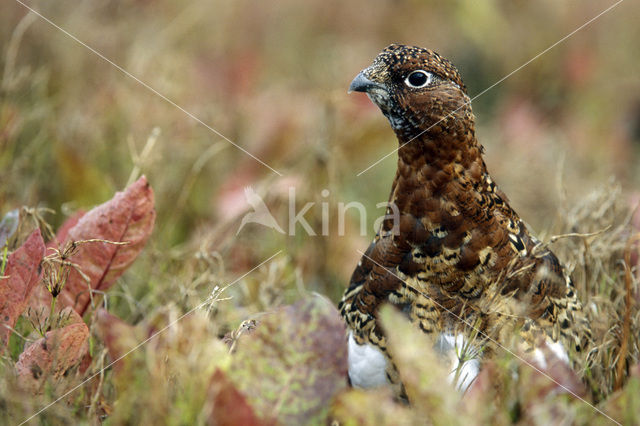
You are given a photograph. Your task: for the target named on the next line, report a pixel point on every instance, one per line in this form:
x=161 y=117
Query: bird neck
x=439 y=163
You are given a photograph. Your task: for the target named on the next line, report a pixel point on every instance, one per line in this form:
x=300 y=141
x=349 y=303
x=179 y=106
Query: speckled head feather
x=416 y=89
x=397 y=57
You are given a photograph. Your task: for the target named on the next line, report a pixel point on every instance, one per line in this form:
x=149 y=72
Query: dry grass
x=273 y=77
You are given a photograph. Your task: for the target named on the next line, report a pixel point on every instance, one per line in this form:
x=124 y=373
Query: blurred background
x=273 y=78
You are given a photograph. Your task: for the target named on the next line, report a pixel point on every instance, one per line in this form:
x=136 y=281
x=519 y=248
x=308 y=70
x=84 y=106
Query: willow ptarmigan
x=458 y=256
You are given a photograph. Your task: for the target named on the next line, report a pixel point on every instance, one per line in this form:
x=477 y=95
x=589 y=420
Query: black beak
x=362 y=84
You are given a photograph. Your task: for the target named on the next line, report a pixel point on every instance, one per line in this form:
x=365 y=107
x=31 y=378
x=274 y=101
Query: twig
x=626 y=324
x=538 y=248
x=96 y=396
x=140 y=160
x=8 y=77
x=191 y=179
x=13 y=330
x=555 y=238
x=56 y=277
x=586 y=291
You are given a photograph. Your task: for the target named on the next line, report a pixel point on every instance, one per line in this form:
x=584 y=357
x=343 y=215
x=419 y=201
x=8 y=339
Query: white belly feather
x=367 y=364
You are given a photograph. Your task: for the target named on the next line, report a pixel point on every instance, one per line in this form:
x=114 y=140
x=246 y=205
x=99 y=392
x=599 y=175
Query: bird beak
x=362 y=84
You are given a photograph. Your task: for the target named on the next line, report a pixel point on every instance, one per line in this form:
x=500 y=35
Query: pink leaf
x=228 y=405
x=41 y=298
x=128 y=217
x=53 y=356
x=64 y=229
x=21 y=276
x=118 y=336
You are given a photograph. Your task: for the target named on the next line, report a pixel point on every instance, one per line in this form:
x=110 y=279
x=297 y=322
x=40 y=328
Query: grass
x=561 y=140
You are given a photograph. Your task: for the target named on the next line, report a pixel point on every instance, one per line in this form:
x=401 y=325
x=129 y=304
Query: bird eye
x=418 y=79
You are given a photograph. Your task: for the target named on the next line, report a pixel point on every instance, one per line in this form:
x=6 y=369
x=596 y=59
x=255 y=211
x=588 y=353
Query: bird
x=454 y=257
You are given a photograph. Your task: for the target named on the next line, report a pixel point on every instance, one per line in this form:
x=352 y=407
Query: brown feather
x=461 y=249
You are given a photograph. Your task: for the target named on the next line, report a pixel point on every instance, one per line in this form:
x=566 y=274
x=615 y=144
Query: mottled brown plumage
x=459 y=252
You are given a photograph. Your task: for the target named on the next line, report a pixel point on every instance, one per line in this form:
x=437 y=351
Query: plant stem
x=53 y=306
x=4 y=260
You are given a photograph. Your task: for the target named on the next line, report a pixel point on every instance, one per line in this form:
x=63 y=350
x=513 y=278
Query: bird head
x=415 y=89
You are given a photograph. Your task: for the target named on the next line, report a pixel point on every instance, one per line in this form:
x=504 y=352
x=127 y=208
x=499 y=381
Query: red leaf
x=21 y=276
x=63 y=231
x=118 y=336
x=41 y=298
x=128 y=217
x=228 y=405
x=52 y=356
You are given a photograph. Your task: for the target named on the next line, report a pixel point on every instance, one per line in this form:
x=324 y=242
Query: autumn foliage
x=89 y=253
x=147 y=309
x=288 y=370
